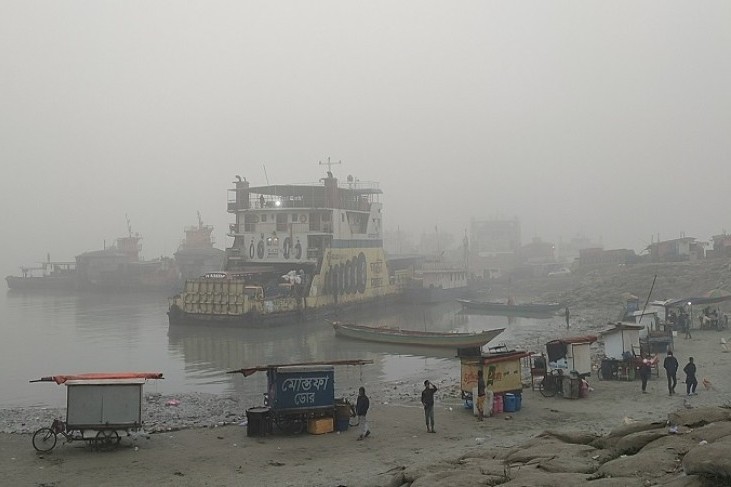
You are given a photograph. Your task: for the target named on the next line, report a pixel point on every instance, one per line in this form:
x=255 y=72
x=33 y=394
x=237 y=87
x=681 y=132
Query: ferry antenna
x=329 y=164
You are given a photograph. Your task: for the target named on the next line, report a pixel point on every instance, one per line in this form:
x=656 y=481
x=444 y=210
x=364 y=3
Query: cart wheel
x=547 y=388
x=107 y=440
x=44 y=440
x=291 y=425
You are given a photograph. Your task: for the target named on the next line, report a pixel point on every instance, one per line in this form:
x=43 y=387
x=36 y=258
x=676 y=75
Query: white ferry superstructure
x=298 y=250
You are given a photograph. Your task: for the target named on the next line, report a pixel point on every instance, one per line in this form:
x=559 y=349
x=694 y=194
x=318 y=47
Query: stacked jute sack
x=689 y=449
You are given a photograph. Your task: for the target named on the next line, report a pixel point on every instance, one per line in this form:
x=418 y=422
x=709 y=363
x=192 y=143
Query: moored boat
x=52 y=276
x=196 y=255
x=509 y=308
x=299 y=251
x=412 y=337
x=120 y=268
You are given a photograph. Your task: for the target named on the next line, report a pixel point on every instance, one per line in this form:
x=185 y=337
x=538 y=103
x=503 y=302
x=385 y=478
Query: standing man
x=690 y=381
x=361 y=409
x=671 y=368
x=480 y=396
x=645 y=371
x=427 y=399
x=685 y=322
x=567 y=317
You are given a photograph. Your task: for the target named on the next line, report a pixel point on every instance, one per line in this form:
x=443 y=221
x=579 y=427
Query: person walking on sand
x=480 y=396
x=361 y=410
x=670 y=364
x=645 y=371
x=690 y=381
x=427 y=399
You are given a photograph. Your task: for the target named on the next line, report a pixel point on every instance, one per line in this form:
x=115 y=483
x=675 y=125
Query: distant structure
x=569 y=252
x=721 y=246
x=537 y=258
x=598 y=256
x=676 y=250
x=494 y=247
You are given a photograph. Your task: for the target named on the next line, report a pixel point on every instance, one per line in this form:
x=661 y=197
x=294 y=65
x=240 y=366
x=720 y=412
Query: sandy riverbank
x=218 y=456
x=207 y=454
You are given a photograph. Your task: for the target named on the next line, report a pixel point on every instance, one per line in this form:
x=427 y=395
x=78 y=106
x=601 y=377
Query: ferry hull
x=348 y=279
x=16 y=283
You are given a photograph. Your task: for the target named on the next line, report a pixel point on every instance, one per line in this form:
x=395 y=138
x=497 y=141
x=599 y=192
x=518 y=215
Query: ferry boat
x=196 y=254
x=299 y=251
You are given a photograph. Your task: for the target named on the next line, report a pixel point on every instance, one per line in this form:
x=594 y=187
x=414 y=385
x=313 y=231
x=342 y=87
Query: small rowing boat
x=497 y=307
x=419 y=338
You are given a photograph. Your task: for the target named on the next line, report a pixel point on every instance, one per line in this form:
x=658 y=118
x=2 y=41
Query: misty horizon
x=608 y=121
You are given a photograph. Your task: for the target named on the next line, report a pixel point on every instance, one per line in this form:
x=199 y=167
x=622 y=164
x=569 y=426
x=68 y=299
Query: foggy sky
x=607 y=119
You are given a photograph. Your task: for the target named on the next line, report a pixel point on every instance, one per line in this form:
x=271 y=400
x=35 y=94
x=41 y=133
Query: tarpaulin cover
x=710 y=297
x=60 y=379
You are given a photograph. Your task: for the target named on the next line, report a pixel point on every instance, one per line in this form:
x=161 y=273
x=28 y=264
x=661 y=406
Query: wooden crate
x=320 y=426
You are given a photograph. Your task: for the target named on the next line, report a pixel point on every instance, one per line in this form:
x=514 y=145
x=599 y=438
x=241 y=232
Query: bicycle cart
x=564 y=366
x=297 y=396
x=98 y=408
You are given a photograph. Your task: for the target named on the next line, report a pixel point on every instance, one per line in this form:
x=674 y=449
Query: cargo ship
x=299 y=251
x=196 y=254
x=47 y=276
x=120 y=268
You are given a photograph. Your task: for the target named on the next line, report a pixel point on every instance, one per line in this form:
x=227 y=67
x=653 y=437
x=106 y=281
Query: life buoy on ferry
x=260 y=249
x=303 y=218
x=287 y=247
x=251 y=250
x=298 y=250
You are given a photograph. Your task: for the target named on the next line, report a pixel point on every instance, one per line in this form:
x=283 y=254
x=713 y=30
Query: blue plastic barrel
x=518 y=401
x=509 y=403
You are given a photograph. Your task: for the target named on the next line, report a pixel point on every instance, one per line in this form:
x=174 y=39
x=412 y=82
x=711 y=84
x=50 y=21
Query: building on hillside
x=538 y=252
x=537 y=259
x=721 y=246
x=598 y=256
x=676 y=250
x=569 y=252
x=494 y=246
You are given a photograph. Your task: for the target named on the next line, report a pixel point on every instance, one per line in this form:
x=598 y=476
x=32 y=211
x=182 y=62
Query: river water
x=50 y=334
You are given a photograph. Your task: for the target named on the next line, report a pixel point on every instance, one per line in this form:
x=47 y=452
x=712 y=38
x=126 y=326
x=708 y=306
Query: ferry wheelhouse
x=298 y=249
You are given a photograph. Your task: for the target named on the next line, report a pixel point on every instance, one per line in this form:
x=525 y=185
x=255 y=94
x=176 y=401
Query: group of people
x=670 y=364
x=362 y=405
x=427 y=400
x=681 y=320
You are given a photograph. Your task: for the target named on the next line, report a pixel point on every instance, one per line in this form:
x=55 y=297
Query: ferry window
x=342 y=217
x=281 y=222
x=294 y=217
x=263 y=217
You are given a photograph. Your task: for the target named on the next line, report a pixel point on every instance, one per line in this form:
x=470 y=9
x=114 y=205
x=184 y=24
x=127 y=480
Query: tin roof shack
x=620 y=340
x=676 y=250
x=721 y=246
x=571 y=354
x=502 y=371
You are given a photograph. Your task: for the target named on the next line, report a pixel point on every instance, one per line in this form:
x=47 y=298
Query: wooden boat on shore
x=500 y=308
x=419 y=338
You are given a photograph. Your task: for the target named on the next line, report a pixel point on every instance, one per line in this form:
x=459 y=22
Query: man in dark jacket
x=690 y=381
x=671 y=368
x=361 y=409
x=427 y=399
x=645 y=371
